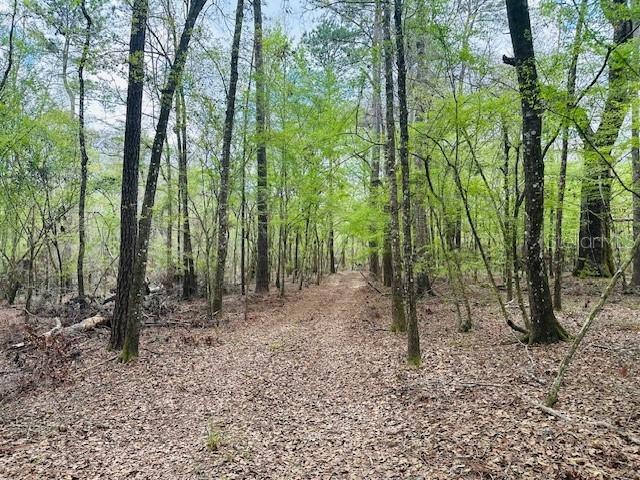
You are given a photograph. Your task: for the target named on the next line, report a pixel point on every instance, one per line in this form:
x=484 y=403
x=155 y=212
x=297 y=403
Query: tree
x=84 y=157
x=223 y=227
x=262 y=249
x=376 y=150
x=595 y=255
x=11 y=45
x=413 y=345
x=562 y=178
x=635 y=160
x=543 y=326
x=397 y=305
x=189 y=280
x=131 y=159
x=136 y=293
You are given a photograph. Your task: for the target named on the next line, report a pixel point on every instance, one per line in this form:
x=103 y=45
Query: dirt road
x=310 y=387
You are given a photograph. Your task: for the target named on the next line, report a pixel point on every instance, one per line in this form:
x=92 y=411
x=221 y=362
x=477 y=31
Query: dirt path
x=308 y=388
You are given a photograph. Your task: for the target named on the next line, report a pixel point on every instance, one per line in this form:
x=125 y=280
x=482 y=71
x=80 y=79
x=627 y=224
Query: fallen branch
x=552 y=412
x=83 y=326
x=596 y=423
x=370 y=284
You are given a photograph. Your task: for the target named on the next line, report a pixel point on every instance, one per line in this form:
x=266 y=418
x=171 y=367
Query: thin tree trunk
x=225 y=163
x=189 y=280
x=508 y=267
x=32 y=259
x=376 y=151
x=262 y=253
x=65 y=75
x=244 y=234
x=414 y=356
x=397 y=308
x=635 y=159
x=169 y=243
x=7 y=70
x=562 y=178
x=84 y=158
x=304 y=252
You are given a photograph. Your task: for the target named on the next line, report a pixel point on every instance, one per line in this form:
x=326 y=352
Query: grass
x=214 y=437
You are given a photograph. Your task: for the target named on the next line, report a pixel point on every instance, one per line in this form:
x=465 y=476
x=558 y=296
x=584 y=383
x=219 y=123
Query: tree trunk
x=635 y=158
x=65 y=69
x=262 y=253
x=244 y=234
x=84 y=158
x=562 y=179
x=595 y=254
x=169 y=241
x=376 y=151
x=189 y=281
x=131 y=158
x=399 y=323
x=223 y=201
x=506 y=191
x=414 y=356
x=423 y=282
x=7 y=70
x=132 y=335
x=543 y=327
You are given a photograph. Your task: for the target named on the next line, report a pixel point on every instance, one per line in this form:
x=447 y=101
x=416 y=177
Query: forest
x=320 y=239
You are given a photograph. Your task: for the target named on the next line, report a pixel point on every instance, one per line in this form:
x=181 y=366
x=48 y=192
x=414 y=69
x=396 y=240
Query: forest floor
x=315 y=386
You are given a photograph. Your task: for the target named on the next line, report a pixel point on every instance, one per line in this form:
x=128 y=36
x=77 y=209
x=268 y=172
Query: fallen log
x=83 y=326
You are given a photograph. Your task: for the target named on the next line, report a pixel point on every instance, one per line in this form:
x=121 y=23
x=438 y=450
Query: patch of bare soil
x=315 y=386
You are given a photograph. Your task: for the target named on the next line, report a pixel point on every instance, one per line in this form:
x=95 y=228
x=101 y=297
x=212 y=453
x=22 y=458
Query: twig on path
x=481 y=384
x=596 y=423
x=553 y=412
x=371 y=284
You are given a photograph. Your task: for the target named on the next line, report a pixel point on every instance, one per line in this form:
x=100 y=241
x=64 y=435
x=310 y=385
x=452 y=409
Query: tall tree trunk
x=132 y=335
x=544 y=327
x=564 y=153
x=397 y=308
x=244 y=234
x=422 y=224
x=131 y=158
x=169 y=241
x=414 y=356
x=595 y=254
x=376 y=151
x=262 y=253
x=223 y=226
x=189 y=281
x=84 y=158
x=635 y=158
